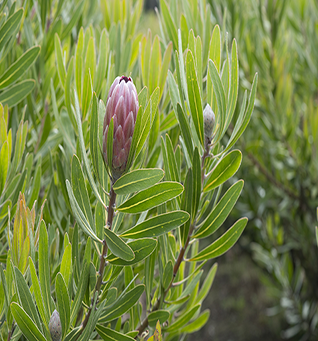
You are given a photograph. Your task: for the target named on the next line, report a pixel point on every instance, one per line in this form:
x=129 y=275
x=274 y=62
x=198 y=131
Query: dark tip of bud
x=126 y=79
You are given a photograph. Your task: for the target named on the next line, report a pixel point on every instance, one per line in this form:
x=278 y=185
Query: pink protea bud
x=122 y=105
x=208 y=122
x=55 y=326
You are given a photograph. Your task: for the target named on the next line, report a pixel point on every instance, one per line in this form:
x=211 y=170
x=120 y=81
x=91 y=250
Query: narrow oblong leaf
x=27 y=326
x=117 y=246
x=38 y=294
x=80 y=191
x=219 y=94
x=44 y=268
x=157 y=225
x=224 y=243
x=26 y=297
x=159 y=315
x=63 y=302
x=183 y=319
x=167 y=275
x=194 y=97
x=123 y=304
x=81 y=289
x=224 y=170
x=138 y=180
x=59 y=59
x=10 y=26
x=197 y=324
x=206 y=286
x=79 y=215
x=151 y=197
x=17 y=93
x=108 y=334
x=142 y=248
x=220 y=212
x=17 y=69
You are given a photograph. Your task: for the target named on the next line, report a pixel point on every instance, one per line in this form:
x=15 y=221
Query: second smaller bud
x=208 y=122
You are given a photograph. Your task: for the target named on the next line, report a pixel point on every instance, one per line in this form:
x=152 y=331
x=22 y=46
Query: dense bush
x=278 y=39
x=99 y=240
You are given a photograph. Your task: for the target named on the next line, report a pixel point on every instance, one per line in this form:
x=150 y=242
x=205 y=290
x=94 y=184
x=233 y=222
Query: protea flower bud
x=55 y=326
x=208 y=122
x=122 y=105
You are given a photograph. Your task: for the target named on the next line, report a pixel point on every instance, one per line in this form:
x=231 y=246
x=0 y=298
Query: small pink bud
x=55 y=326
x=122 y=105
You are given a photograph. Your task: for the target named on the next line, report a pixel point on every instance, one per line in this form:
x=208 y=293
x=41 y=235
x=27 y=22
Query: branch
x=103 y=256
x=180 y=258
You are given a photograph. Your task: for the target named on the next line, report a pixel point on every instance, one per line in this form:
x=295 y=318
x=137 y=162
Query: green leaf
x=155 y=64
x=151 y=197
x=169 y=24
x=79 y=215
x=186 y=204
x=194 y=97
x=185 y=130
x=174 y=174
x=10 y=27
x=142 y=248
x=4 y=164
x=110 y=141
x=220 y=212
x=158 y=225
x=164 y=68
x=17 y=69
x=206 y=286
x=138 y=180
x=196 y=190
x=233 y=88
x=81 y=289
x=215 y=56
x=89 y=73
x=122 y=304
x=36 y=186
x=66 y=264
x=117 y=246
x=197 y=324
x=108 y=334
x=159 y=315
x=147 y=120
x=182 y=320
x=38 y=295
x=79 y=64
x=26 y=297
x=80 y=191
x=63 y=302
x=44 y=268
x=83 y=150
x=76 y=15
x=223 y=170
x=74 y=334
x=224 y=243
x=244 y=116
x=17 y=92
x=169 y=122
x=102 y=62
x=59 y=59
x=167 y=275
x=93 y=135
x=219 y=94
x=27 y=326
